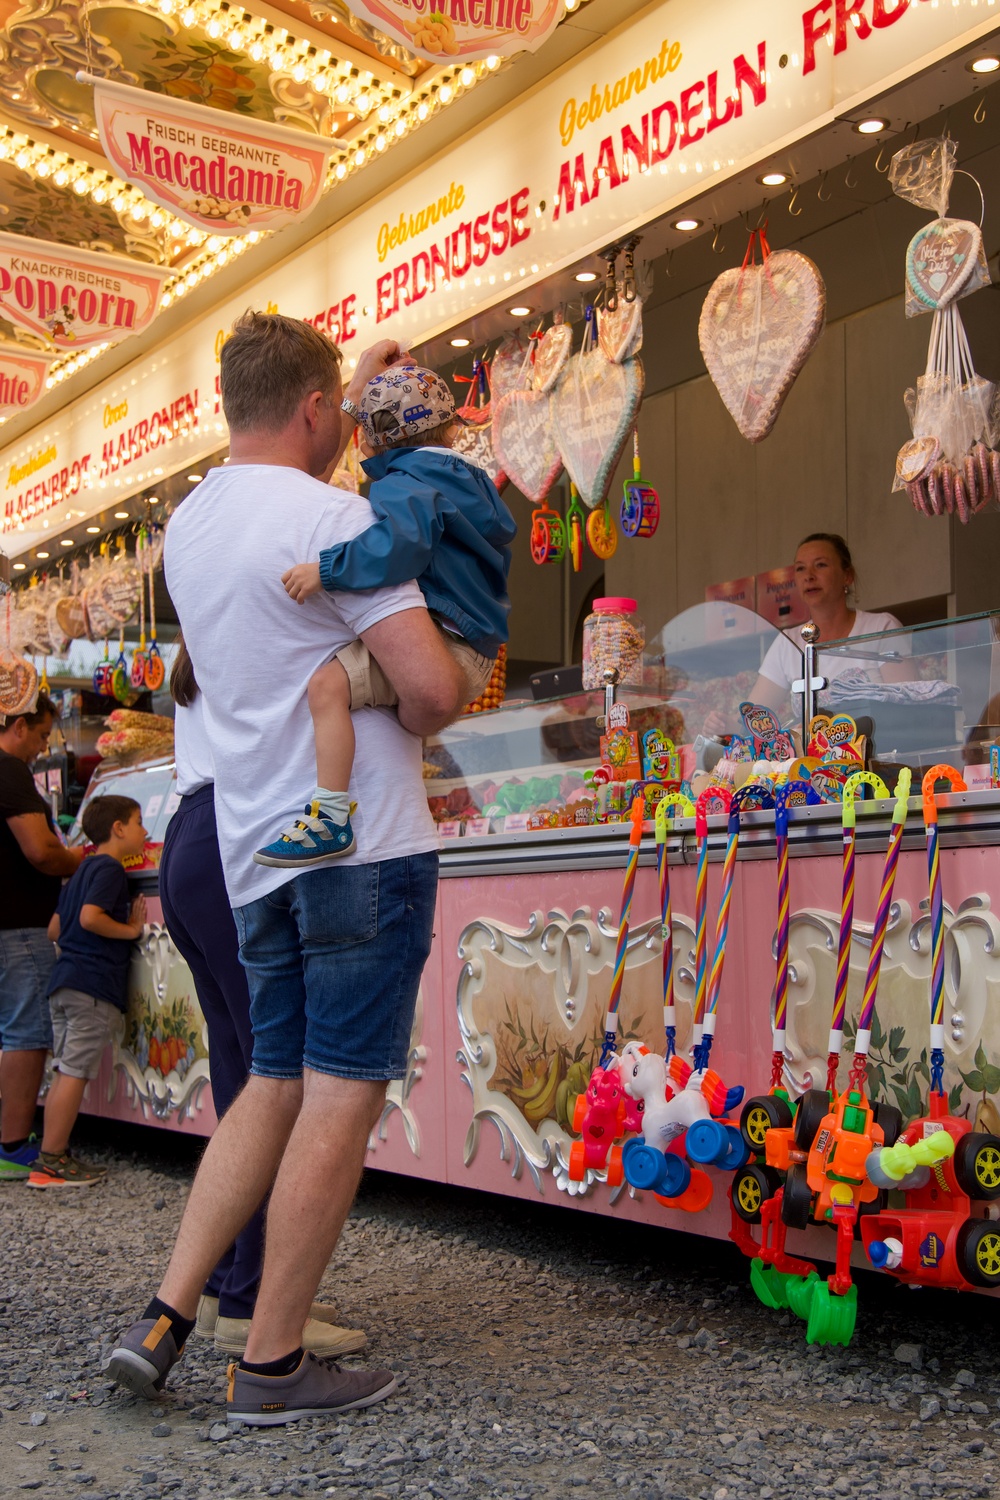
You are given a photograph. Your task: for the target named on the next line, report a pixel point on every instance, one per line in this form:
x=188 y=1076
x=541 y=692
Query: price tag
x=515 y=823
x=452 y=829
x=474 y=827
x=152 y=807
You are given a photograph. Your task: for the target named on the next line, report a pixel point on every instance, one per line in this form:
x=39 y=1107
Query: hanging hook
x=878 y=160
x=850 y=180
x=666 y=264
x=795 y=212
x=762 y=216
x=611 y=280
x=979 y=113
x=824 y=197
x=717 y=249
x=628 y=275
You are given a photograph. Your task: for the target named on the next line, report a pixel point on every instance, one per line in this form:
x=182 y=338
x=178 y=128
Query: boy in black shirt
x=95 y=927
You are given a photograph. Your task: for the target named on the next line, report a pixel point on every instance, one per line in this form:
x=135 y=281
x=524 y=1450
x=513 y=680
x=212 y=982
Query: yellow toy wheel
x=978 y=1252
x=977 y=1165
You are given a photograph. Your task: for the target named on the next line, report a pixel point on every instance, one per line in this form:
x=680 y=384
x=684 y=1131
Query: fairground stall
x=770 y=197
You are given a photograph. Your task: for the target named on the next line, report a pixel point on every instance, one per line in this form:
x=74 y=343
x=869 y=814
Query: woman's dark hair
x=838 y=544
x=183 y=683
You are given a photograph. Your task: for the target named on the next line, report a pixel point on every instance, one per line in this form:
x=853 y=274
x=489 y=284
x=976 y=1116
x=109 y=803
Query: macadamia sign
x=217 y=171
x=463 y=30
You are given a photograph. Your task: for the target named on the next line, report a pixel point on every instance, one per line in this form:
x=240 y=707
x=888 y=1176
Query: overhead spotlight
x=872 y=126
x=94 y=530
x=19 y=567
x=984 y=65
x=41 y=554
x=773 y=179
x=460 y=343
x=194 y=478
x=121 y=515
x=520 y=312
x=687 y=226
x=586 y=276
x=66 y=541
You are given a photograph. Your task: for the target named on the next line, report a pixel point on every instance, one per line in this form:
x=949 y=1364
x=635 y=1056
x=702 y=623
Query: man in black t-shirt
x=33 y=864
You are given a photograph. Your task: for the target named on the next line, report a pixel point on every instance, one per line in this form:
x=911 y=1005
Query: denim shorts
x=26 y=962
x=82 y=1026
x=334 y=959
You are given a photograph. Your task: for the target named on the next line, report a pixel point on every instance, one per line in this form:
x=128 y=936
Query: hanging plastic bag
x=922 y=173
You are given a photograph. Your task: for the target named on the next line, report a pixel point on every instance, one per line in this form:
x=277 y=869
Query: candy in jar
x=613 y=636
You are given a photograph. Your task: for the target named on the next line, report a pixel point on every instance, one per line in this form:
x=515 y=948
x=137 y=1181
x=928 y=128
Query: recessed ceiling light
x=586 y=276
x=194 y=479
x=772 y=179
x=121 y=515
x=67 y=541
x=687 y=226
x=520 y=312
x=984 y=65
x=41 y=554
x=94 y=530
x=872 y=126
x=460 y=343
x=20 y=567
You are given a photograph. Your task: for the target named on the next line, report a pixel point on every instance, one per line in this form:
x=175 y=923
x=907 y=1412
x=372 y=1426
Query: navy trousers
x=200 y=922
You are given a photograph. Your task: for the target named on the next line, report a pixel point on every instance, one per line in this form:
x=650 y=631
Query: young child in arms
x=439 y=519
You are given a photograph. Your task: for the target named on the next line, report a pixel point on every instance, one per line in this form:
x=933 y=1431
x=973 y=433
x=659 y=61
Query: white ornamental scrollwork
x=566 y=1011
x=398 y=1093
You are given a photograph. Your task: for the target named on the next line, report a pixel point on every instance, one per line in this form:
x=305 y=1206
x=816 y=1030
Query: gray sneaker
x=145 y=1357
x=317 y=1386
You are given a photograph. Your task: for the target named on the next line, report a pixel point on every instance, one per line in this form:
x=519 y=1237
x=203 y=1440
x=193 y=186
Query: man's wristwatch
x=348 y=406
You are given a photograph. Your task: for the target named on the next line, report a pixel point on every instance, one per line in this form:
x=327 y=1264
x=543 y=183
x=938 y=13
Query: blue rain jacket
x=439 y=520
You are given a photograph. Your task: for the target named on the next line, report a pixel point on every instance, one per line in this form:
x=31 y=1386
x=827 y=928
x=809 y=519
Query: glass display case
x=932 y=692
x=528 y=766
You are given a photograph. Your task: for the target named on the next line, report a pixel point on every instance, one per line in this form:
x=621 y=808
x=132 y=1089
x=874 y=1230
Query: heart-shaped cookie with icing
x=18 y=683
x=758 y=326
x=619 y=333
x=475 y=442
x=552 y=351
x=118 y=591
x=71 y=616
x=509 y=370
x=940 y=260
x=524 y=442
x=594 y=410
x=916 y=458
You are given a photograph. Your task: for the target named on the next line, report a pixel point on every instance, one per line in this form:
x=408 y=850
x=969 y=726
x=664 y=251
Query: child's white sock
x=333 y=805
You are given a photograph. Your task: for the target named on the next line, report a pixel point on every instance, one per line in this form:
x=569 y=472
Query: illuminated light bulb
x=100 y=195
x=363 y=103
x=400 y=127
x=22 y=159
x=299 y=73
x=81 y=187
x=166 y=7
x=256 y=52
x=188 y=16
x=214 y=29
x=360 y=157
x=468 y=77
x=340 y=171
x=343 y=94
x=445 y=93
x=117 y=202
x=380 y=142
x=422 y=110
x=384 y=113
x=276 y=59
x=42 y=168
x=61 y=177
x=493 y=63
x=138 y=212
x=166 y=299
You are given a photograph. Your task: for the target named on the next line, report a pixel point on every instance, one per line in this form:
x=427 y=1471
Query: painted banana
x=537 y=1109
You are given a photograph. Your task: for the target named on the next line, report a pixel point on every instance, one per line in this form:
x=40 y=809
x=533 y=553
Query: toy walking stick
x=859 y=1070
x=849 y=818
x=671 y=801
x=611 y=1022
x=724 y=797
x=934 y=775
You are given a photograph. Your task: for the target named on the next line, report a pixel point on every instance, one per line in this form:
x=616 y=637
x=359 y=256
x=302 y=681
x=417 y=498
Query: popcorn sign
x=220 y=173
x=462 y=30
x=75 y=297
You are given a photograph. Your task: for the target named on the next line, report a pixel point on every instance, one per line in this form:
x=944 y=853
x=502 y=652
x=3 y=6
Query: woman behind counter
x=824 y=578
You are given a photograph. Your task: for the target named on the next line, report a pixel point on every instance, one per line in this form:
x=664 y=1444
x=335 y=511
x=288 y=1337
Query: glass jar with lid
x=613 y=636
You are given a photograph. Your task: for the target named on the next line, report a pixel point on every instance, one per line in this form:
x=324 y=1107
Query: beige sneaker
x=325 y=1340
x=208 y=1315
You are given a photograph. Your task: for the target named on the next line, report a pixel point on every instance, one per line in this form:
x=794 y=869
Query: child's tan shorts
x=371 y=688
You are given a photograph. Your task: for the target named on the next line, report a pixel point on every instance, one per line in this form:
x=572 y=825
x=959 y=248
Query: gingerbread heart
x=71 y=616
x=525 y=443
x=594 y=411
x=916 y=458
x=60 y=640
x=18 y=683
x=758 y=326
x=620 y=332
x=100 y=624
x=118 y=592
x=475 y=442
x=552 y=351
x=32 y=627
x=509 y=368
x=940 y=260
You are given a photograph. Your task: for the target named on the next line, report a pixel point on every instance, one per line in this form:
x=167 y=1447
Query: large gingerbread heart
x=940 y=260
x=475 y=442
x=594 y=411
x=619 y=333
x=552 y=351
x=118 y=591
x=510 y=369
x=525 y=443
x=18 y=683
x=758 y=326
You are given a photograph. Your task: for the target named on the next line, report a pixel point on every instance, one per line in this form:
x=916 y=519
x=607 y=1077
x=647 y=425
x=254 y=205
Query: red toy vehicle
x=942 y=1237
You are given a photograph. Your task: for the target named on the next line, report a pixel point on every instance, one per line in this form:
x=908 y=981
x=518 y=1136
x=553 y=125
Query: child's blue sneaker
x=17 y=1165
x=310 y=840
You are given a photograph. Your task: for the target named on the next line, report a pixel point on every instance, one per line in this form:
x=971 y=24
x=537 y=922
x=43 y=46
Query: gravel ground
x=540 y=1352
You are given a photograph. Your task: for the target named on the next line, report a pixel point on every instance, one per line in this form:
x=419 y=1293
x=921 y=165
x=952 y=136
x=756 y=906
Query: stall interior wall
x=730 y=508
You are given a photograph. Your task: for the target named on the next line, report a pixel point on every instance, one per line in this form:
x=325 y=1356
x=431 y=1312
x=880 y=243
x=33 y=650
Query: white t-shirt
x=192 y=752
x=254 y=650
x=783 y=662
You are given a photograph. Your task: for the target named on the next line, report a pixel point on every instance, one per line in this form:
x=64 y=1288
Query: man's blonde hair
x=269 y=364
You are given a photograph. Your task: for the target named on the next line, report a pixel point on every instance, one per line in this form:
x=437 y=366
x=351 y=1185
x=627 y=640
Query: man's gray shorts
x=81 y=1029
